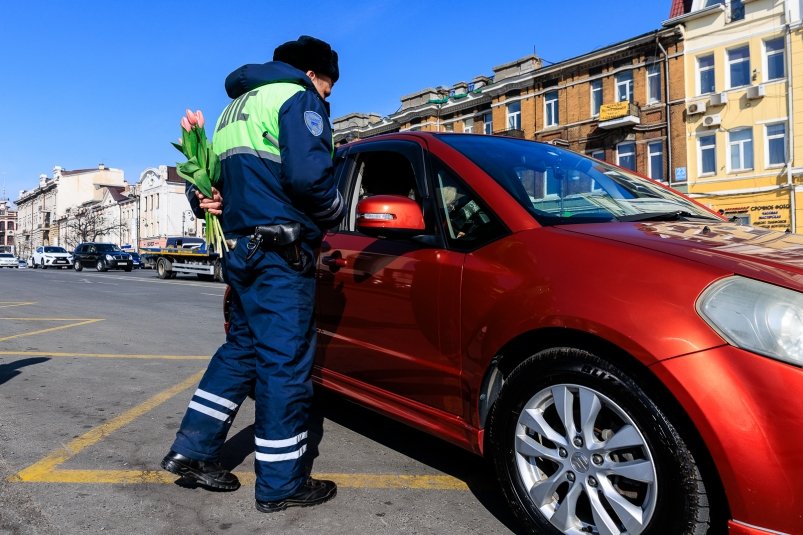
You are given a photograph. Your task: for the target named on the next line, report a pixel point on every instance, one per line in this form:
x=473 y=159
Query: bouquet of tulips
x=201 y=169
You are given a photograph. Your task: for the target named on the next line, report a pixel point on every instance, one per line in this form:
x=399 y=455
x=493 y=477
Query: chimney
x=42 y=180
x=101 y=167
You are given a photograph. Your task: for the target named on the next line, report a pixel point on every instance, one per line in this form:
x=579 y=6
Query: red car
x=627 y=358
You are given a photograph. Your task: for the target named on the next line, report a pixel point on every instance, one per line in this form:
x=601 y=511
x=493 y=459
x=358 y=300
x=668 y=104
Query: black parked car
x=101 y=256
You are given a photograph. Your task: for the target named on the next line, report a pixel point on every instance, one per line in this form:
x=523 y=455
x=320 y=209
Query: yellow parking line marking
x=103 y=355
x=7 y=304
x=51 y=329
x=355 y=481
x=47 y=469
x=40 y=470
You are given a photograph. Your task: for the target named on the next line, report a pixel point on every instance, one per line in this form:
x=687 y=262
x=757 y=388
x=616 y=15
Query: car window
x=467 y=221
x=55 y=250
x=381 y=173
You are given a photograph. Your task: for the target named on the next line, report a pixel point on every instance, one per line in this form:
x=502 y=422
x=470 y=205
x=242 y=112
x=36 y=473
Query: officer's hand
x=214 y=205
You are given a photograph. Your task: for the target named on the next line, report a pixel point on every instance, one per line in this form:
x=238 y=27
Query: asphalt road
x=96 y=370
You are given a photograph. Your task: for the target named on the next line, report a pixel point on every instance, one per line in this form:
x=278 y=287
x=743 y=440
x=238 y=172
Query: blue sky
x=104 y=81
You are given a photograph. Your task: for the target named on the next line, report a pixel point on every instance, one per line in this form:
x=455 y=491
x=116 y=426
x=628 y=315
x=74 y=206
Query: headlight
x=109 y=257
x=756 y=316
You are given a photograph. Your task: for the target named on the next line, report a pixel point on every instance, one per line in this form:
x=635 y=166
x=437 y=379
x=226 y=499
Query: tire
x=619 y=461
x=77 y=265
x=218 y=276
x=163 y=270
x=42 y=264
x=100 y=266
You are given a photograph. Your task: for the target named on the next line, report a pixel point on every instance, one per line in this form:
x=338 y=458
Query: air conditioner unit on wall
x=718 y=99
x=712 y=120
x=695 y=108
x=755 y=91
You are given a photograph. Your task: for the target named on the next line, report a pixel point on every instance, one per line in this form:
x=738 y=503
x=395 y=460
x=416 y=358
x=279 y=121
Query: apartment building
x=8 y=227
x=621 y=103
x=743 y=105
x=43 y=211
x=163 y=208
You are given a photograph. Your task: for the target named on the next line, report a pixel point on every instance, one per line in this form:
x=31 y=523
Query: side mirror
x=389 y=216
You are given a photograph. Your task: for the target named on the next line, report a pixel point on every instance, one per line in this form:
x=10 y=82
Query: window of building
x=776 y=144
x=709 y=3
x=624 y=86
x=468 y=125
x=705 y=71
x=740 y=145
x=596 y=97
x=449 y=127
x=471 y=87
x=653 y=83
x=514 y=116
x=655 y=153
x=598 y=154
x=775 y=58
x=739 y=66
x=551 y=109
x=737 y=10
x=708 y=154
x=626 y=155
x=488 y=123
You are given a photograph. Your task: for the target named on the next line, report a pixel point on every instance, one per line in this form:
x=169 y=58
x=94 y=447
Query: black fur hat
x=309 y=54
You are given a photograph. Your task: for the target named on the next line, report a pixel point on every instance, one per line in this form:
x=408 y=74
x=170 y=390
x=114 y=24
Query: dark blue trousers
x=271 y=340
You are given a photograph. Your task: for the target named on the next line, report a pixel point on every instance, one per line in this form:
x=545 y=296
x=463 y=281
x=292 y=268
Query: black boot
x=207 y=474
x=312 y=492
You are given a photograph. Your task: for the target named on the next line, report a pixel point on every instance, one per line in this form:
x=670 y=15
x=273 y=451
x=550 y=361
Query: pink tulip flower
x=185 y=124
x=191 y=117
x=200 y=118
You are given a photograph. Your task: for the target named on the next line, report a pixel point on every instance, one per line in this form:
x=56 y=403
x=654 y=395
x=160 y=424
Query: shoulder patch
x=314 y=123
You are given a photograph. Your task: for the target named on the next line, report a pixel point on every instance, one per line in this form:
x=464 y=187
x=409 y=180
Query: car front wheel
x=100 y=266
x=42 y=264
x=77 y=265
x=579 y=447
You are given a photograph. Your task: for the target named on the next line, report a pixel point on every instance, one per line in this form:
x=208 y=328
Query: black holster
x=285 y=239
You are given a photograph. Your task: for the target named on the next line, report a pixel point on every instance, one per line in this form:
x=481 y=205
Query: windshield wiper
x=674 y=215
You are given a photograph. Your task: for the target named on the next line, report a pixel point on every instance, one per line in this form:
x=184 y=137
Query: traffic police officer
x=275 y=146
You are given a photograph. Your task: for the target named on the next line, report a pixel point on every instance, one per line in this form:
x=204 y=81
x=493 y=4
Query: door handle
x=334 y=261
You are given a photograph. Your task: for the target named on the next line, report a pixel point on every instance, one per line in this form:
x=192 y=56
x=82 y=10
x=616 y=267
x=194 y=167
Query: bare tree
x=85 y=224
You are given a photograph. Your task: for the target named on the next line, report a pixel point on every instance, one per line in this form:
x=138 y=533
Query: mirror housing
x=389 y=216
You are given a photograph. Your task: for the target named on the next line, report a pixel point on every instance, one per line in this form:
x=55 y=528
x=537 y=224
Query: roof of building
x=679 y=7
x=172 y=175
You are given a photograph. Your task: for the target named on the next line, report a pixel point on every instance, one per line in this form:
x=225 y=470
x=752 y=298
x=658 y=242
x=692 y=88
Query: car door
x=388 y=309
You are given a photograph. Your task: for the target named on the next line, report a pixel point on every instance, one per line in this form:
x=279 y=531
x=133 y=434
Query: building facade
x=163 y=208
x=8 y=227
x=742 y=107
x=622 y=103
x=42 y=211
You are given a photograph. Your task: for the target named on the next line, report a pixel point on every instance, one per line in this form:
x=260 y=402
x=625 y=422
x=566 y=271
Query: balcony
x=618 y=114
x=511 y=132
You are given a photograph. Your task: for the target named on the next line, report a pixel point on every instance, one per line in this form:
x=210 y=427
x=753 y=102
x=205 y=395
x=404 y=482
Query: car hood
x=775 y=257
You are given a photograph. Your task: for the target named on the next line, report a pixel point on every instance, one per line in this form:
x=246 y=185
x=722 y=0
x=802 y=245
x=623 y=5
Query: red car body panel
x=750 y=420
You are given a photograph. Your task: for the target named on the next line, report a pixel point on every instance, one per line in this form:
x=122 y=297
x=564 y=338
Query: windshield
x=560 y=187
x=106 y=247
x=55 y=250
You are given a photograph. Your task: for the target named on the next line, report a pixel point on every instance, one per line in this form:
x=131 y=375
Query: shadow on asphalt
x=11 y=370
x=473 y=470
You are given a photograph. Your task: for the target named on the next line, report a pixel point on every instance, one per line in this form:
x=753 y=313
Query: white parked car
x=8 y=260
x=46 y=256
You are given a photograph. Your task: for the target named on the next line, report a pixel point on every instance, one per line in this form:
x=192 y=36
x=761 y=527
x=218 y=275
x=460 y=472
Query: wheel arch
x=527 y=344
